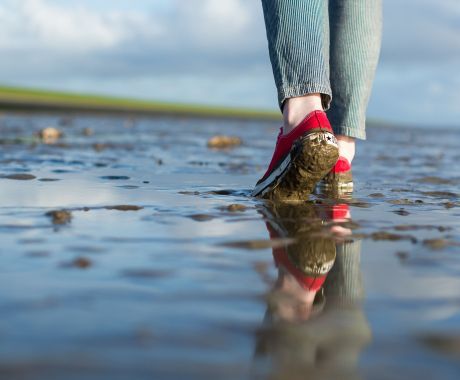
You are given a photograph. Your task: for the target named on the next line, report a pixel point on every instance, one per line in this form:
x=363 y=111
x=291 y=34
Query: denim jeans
x=329 y=47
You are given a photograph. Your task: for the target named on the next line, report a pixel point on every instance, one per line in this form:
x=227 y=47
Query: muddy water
x=130 y=249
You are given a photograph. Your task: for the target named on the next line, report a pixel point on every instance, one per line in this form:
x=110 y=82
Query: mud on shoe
x=301 y=159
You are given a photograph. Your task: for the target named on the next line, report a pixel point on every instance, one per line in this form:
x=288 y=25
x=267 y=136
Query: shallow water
x=152 y=273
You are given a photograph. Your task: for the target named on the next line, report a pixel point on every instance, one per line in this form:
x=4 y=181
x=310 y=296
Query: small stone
x=449 y=204
x=60 y=216
x=235 y=207
x=82 y=263
x=49 y=134
x=201 y=217
x=221 y=141
x=99 y=147
x=87 y=132
x=437 y=243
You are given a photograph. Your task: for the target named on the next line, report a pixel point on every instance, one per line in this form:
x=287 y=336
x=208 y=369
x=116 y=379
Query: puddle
x=179 y=273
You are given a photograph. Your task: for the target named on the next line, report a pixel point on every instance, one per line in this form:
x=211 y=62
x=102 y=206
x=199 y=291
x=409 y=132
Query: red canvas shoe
x=340 y=176
x=301 y=158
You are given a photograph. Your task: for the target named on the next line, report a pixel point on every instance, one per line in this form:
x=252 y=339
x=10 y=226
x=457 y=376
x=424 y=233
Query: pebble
x=221 y=141
x=60 y=216
x=49 y=134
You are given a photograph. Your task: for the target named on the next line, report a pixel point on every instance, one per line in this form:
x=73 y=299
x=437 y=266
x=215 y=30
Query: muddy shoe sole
x=310 y=159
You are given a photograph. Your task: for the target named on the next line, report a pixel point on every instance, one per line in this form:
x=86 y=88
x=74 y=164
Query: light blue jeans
x=329 y=47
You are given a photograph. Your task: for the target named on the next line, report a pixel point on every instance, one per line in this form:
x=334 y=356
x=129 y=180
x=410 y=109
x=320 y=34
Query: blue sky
x=214 y=52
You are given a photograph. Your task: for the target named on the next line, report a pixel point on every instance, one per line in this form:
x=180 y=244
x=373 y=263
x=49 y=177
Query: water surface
x=163 y=266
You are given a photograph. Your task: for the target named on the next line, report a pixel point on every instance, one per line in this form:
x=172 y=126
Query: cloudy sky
x=214 y=52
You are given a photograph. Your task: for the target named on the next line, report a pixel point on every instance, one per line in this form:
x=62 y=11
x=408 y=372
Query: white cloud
x=50 y=38
x=41 y=25
x=215 y=23
x=70 y=26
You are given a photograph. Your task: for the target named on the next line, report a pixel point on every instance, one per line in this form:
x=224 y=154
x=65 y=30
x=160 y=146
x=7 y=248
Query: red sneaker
x=340 y=176
x=301 y=158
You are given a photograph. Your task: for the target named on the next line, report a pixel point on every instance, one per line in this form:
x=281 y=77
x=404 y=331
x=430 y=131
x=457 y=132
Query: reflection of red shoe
x=311 y=255
x=311 y=281
x=340 y=212
x=301 y=158
x=340 y=176
x=336 y=215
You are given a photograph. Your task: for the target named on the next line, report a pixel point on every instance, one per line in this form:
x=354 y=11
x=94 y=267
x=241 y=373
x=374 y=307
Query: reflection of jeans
x=343 y=286
x=329 y=47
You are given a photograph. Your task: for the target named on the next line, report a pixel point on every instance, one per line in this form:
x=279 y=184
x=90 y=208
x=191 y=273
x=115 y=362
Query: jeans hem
x=357 y=133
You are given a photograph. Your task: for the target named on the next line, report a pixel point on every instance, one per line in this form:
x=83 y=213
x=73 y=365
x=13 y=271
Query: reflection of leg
x=355 y=35
x=344 y=286
x=331 y=341
x=344 y=293
x=296 y=38
x=306 y=149
x=302 y=263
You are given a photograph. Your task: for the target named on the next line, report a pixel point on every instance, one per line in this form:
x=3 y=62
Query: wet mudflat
x=130 y=248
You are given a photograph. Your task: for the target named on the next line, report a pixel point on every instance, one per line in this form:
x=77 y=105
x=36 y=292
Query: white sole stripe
x=262 y=187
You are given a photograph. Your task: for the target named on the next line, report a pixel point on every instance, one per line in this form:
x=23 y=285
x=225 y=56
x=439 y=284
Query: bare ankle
x=295 y=110
x=346 y=147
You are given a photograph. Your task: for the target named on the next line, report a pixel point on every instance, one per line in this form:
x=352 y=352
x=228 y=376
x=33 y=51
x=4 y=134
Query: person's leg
x=306 y=148
x=297 y=41
x=355 y=36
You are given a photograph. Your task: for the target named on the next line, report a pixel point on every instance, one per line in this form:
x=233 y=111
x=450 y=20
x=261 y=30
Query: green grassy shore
x=32 y=100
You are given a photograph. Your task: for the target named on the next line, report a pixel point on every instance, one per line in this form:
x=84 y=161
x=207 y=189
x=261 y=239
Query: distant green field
x=12 y=98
